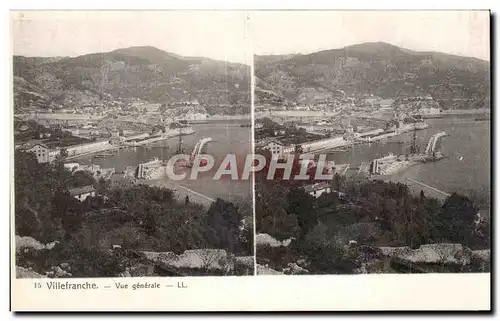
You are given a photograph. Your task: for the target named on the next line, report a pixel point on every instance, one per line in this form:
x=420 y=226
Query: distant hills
x=144 y=73
x=156 y=76
x=376 y=68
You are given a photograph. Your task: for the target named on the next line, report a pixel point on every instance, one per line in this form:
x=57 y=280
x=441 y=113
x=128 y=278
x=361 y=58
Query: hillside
x=144 y=73
x=376 y=68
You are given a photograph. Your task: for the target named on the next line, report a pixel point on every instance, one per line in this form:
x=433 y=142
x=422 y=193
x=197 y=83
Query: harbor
x=159 y=137
x=228 y=138
x=464 y=149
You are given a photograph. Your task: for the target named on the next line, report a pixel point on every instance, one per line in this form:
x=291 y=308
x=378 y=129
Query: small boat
x=481 y=118
x=197 y=122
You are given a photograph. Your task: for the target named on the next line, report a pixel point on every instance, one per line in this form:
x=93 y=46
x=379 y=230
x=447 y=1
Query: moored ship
x=392 y=164
x=173 y=132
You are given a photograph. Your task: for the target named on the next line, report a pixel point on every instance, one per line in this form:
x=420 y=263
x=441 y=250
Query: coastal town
x=78 y=141
x=92 y=137
x=269 y=158
x=98 y=132
x=327 y=127
x=391 y=131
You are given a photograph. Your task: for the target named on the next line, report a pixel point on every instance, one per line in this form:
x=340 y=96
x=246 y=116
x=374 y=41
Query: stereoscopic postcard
x=250 y=160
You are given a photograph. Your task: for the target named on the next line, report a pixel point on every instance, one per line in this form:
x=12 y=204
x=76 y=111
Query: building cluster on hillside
x=274 y=146
x=82 y=193
x=365 y=105
x=74 y=137
x=41 y=151
x=326 y=104
x=318 y=189
x=94 y=169
x=193 y=102
x=151 y=170
x=45 y=154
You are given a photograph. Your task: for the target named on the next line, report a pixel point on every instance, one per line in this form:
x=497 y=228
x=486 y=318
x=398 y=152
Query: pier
x=426 y=188
x=431 y=146
x=181 y=192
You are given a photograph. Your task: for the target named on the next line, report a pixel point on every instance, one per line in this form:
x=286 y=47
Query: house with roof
x=272 y=145
x=40 y=150
x=318 y=189
x=278 y=131
x=82 y=193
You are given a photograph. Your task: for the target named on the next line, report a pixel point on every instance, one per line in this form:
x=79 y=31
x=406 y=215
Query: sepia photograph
x=376 y=126
x=104 y=103
x=189 y=160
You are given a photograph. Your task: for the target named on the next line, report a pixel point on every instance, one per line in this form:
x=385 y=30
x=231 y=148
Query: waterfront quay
x=284 y=139
x=181 y=191
x=415 y=186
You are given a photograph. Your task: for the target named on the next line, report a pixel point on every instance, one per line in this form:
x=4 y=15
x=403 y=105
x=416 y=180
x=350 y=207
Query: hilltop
x=136 y=73
x=377 y=68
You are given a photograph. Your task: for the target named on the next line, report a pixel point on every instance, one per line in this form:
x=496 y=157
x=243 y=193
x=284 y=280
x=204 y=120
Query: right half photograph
x=373 y=132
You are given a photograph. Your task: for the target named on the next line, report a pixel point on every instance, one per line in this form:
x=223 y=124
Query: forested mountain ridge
x=144 y=73
x=376 y=68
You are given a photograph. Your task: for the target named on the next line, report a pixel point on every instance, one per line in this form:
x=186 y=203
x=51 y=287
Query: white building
x=82 y=193
x=278 y=132
x=272 y=145
x=149 y=169
x=318 y=189
x=40 y=150
x=71 y=166
x=430 y=111
x=88 y=148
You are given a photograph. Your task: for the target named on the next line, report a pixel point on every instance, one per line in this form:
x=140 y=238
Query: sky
x=226 y=35
x=217 y=35
x=463 y=33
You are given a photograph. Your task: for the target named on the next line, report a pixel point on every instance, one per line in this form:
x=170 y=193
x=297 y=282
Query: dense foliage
x=369 y=212
x=26 y=131
x=135 y=218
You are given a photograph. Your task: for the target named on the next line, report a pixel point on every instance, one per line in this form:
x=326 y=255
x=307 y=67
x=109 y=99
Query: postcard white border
x=264 y=293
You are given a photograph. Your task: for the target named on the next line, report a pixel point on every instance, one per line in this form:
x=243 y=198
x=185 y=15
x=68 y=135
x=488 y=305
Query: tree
x=223 y=223
x=81 y=178
x=455 y=221
x=102 y=184
x=150 y=218
x=338 y=182
x=302 y=204
x=66 y=209
x=214 y=259
x=298 y=149
x=271 y=210
x=63 y=154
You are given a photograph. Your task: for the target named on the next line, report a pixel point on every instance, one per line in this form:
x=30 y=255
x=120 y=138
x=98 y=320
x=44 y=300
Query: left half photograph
x=130 y=131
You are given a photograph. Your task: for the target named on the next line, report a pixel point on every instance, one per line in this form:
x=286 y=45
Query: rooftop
x=31 y=144
x=81 y=190
x=315 y=187
x=267 y=141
